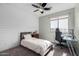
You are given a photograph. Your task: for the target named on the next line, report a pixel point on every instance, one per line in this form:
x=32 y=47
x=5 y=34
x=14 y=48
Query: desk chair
x=59 y=38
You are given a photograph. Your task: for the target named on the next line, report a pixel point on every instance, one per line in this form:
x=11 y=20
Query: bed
x=37 y=45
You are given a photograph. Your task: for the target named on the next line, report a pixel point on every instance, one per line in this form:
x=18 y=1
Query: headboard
x=24 y=33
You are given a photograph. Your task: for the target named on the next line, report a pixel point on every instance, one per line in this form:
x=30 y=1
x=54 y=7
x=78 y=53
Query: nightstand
x=36 y=35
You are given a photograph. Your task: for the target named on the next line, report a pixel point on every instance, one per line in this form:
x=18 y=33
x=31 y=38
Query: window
x=60 y=22
x=53 y=24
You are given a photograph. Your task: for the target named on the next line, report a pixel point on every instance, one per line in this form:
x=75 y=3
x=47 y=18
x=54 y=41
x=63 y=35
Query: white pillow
x=27 y=36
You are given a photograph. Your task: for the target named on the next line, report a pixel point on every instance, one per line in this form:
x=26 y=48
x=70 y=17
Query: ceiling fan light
x=40 y=10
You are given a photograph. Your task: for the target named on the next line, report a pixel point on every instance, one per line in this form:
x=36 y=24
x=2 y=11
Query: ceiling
x=56 y=7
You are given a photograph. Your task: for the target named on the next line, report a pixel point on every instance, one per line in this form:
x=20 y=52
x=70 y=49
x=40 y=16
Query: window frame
x=58 y=18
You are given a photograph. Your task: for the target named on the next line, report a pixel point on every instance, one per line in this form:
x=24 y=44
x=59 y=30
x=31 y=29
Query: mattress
x=37 y=45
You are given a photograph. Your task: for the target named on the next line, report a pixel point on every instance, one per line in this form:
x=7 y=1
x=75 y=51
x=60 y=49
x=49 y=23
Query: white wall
x=15 y=18
x=77 y=21
x=44 y=24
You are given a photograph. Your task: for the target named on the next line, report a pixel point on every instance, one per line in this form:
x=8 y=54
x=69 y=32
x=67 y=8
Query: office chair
x=59 y=38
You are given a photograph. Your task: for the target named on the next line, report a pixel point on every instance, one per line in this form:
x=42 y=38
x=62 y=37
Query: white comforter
x=38 y=45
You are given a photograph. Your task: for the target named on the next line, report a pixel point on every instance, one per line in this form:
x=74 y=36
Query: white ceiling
x=56 y=7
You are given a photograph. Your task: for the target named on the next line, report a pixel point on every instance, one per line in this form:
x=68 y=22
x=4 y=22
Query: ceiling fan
x=41 y=7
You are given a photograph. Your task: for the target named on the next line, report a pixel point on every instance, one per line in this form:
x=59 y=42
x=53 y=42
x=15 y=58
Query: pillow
x=27 y=36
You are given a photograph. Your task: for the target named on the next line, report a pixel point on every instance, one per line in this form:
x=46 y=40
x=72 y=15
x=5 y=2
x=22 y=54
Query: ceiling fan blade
x=47 y=8
x=43 y=4
x=35 y=6
x=36 y=10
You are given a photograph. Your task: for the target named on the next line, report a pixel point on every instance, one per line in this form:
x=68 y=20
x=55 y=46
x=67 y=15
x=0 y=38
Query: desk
x=69 y=41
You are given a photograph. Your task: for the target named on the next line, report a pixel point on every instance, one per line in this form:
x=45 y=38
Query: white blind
x=60 y=22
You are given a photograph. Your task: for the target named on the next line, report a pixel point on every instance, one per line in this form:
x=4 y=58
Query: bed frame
x=22 y=37
x=24 y=33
